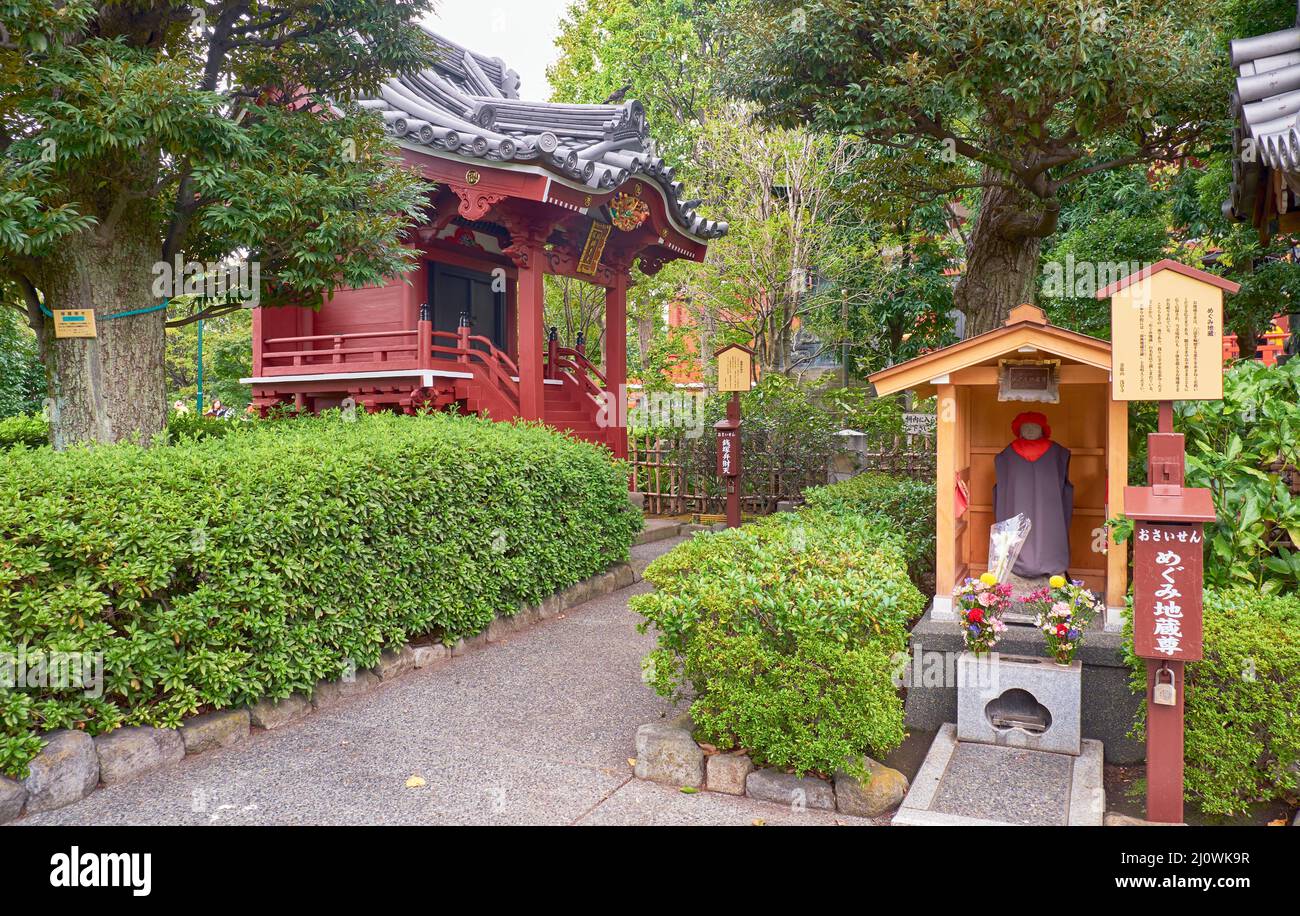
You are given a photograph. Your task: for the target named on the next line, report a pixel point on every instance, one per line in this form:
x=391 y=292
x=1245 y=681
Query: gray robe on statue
x=1041 y=491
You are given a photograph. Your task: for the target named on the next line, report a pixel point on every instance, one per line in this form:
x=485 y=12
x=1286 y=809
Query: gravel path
x=536 y=729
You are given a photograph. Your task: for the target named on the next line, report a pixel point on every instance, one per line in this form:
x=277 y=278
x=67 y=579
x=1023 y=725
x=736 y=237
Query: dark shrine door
x=453 y=290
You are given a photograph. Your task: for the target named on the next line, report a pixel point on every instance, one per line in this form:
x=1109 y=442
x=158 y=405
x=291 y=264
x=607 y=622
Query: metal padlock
x=1163 y=694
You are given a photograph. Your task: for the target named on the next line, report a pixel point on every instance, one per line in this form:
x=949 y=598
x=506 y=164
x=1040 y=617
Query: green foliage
x=856 y=408
x=1242 y=740
x=22 y=378
x=783 y=633
x=904 y=504
x=33 y=430
x=1239 y=448
x=227 y=357
x=786 y=442
x=217 y=572
x=30 y=430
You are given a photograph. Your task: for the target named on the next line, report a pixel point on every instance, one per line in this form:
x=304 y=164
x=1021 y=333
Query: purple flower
x=1074 y=634
x=975 y=631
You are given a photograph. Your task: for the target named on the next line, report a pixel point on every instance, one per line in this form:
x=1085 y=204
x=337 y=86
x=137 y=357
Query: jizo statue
x=1033 y=480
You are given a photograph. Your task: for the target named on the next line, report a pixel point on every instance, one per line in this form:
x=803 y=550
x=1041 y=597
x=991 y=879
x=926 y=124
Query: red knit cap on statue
x=1031 y=449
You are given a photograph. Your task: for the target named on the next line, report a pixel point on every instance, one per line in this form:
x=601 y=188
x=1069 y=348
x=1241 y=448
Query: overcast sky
x=520 y=32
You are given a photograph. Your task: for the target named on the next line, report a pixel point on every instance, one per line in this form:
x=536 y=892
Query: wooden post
x=616 y=359
x=1116 y=480
x=532 y=389
x=424 y=338
x=1165 y=723
x=730 y=461
x=945 y=480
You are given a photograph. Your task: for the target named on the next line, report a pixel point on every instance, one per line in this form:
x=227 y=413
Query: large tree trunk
x=110 y=387
x=1001 y=262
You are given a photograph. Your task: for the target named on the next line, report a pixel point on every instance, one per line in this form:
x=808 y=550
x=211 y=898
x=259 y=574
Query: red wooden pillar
x=529 y=256
x=257 y=342
x=616 y=359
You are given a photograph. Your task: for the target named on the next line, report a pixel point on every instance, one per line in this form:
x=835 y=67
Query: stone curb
x=73 y=764
x=667 y=753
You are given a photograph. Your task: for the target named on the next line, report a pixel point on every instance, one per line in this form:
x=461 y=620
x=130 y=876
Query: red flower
x=1062 y=630
x=976 y=615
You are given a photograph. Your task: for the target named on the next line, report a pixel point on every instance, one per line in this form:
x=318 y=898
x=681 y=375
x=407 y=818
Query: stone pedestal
x=1017 y=701
x=1109 y=705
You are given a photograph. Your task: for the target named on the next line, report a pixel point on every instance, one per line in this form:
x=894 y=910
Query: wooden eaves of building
x=1265 y=106
x=519 y=190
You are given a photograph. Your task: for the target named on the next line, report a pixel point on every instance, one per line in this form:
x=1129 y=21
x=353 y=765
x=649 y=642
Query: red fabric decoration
x=1031 y=449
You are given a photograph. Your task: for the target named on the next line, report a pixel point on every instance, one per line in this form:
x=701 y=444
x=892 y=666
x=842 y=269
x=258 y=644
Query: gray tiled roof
x=1265 y=104
x=469 y=104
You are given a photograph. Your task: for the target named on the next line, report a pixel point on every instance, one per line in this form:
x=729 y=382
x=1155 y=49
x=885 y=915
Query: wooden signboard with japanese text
x=1167 y=339
x=728 y=452
x=74 y=323
x=1167 y=594
x=735 y=368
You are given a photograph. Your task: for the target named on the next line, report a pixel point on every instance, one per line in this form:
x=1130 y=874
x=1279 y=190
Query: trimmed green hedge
x=782 y=631
x=1242 y=702
x=218 y=572
x=29 y=430
x=901 y=503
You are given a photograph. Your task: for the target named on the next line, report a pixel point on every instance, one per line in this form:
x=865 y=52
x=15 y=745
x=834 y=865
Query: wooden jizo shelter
x=973 y=426
x=518 y=190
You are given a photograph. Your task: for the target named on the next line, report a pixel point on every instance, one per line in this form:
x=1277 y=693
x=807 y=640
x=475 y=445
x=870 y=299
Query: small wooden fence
x=678 y=475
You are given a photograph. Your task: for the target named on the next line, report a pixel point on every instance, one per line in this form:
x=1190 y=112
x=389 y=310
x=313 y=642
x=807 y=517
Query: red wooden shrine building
x=520 y=190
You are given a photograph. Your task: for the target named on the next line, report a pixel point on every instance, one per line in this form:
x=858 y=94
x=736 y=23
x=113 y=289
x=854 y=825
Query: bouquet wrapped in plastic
x=1006 y=538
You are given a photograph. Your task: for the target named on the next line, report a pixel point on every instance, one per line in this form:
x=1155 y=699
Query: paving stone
x=130 y=752
x=668 y=755
x=274 y=713
x=331 y=693
x=788 y=789
x=12 y=798
x=577 y=594
x=469 y=644
x=1114 y=819
x=624 y=576
x=727 y=772
x=431 y=655
x=65 y=771
x=393 y=663
x=1033 y=786
x=500 y=628
x=223 y=728
x=884 y=791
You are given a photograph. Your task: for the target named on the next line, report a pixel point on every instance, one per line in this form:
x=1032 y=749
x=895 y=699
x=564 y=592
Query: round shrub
x=1242 y=742
x=217 y=572
x=782 y=633
x=901 y=503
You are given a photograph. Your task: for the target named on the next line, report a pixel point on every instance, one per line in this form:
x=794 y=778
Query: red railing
x=1274 y=345
x=580 y=369
x=340 y=351
x=472 y=351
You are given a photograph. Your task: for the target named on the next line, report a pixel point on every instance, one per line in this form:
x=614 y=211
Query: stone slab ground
x=534 y=729
x=963 y=783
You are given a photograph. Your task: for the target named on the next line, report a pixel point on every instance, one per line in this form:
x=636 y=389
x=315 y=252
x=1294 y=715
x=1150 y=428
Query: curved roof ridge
x=469 y=104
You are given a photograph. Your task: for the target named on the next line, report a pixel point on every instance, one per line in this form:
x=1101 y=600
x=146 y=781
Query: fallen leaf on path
x=414 y=782
x=631 y=761
x=759 y=822
x=689 y=790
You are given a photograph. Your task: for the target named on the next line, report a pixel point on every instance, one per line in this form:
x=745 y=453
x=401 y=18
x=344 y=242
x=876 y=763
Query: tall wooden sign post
x=1167 y=338
x=735 y=374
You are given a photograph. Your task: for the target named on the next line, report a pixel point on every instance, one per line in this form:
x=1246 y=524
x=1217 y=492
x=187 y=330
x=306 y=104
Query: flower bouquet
x=981 y=603
x=1064 y=612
